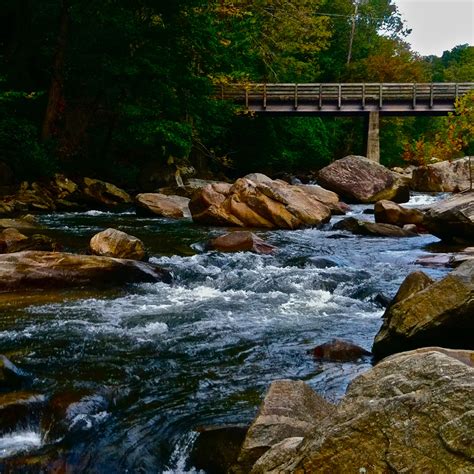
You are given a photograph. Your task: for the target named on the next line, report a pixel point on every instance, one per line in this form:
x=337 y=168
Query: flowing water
x=156 y=361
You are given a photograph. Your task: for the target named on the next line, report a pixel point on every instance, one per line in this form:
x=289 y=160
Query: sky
x=438 y=25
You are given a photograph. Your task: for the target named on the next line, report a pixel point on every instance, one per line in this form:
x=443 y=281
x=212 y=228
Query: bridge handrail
x=340 y=92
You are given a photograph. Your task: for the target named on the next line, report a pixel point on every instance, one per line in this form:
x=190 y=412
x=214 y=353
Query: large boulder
x=35 y=269
x=424 y=314
x=261 y=203
x=360 y=227
x=452 y=219
x=358 y=179
x=388 y=212
x=413 y=412
x=445 y=176
x=118 y=244
x=241 y=241
x=290 y=409
x=162 y=205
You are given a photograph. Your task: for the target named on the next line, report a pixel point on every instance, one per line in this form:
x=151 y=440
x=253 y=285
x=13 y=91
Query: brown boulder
x=439 y=314
x=290 y=409
x=339 y=350
x=445 y=176
x=325 y=196
x=35 y=269
x=452 y=219
x=358 y=227
x=264 y=204
x=358 y=179
x=118 y=244
x=410 y=413
x=388 y=212
x=163 y=205
x=413 y=283
x=241 y=241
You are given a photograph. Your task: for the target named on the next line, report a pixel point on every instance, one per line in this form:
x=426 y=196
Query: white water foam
x=18 y=442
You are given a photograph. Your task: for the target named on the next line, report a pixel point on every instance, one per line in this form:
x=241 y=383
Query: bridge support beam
x=373 y=136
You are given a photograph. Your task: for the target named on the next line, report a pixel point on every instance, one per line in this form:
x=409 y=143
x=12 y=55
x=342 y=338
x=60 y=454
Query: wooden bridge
x=368 y=99
x=342 y=99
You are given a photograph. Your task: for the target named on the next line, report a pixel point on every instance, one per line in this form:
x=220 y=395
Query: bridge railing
x=362 y=93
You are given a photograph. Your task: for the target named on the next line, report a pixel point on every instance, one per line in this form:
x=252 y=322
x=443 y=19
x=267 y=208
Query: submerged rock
x=453 y=218
x=359 y=227
x=163 y=205
x=118 y=244
x=339 y=350
x=410 y=413
x=241 y=241
x=358 y=179
x=430 y=314
x=35 y=269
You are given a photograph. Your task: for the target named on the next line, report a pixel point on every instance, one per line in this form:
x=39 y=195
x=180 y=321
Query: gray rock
x=453 y=218
x=358 y=179
x=445 y=176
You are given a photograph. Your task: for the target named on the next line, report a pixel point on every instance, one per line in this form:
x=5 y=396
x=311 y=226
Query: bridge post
x=373 y=136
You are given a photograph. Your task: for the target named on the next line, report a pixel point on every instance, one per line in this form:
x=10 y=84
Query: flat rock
x=163 y=205
x=118 y=244
x=358 y=179
x=36 y=269
x=359 y=227
x=438 y=314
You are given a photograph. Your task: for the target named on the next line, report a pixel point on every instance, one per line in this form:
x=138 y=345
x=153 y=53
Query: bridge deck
x=341 y=99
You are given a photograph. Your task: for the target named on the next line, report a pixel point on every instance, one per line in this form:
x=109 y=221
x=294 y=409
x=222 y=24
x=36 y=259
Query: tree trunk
x=56 y=102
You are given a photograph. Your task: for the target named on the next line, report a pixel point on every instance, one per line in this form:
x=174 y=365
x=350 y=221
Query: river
x=159 y=360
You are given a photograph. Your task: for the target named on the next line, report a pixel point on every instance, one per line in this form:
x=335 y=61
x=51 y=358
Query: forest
x=123 y=91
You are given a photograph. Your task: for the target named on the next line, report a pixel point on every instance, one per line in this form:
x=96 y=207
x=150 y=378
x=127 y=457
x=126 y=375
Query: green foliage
x=136 y=81
x=21 y=150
